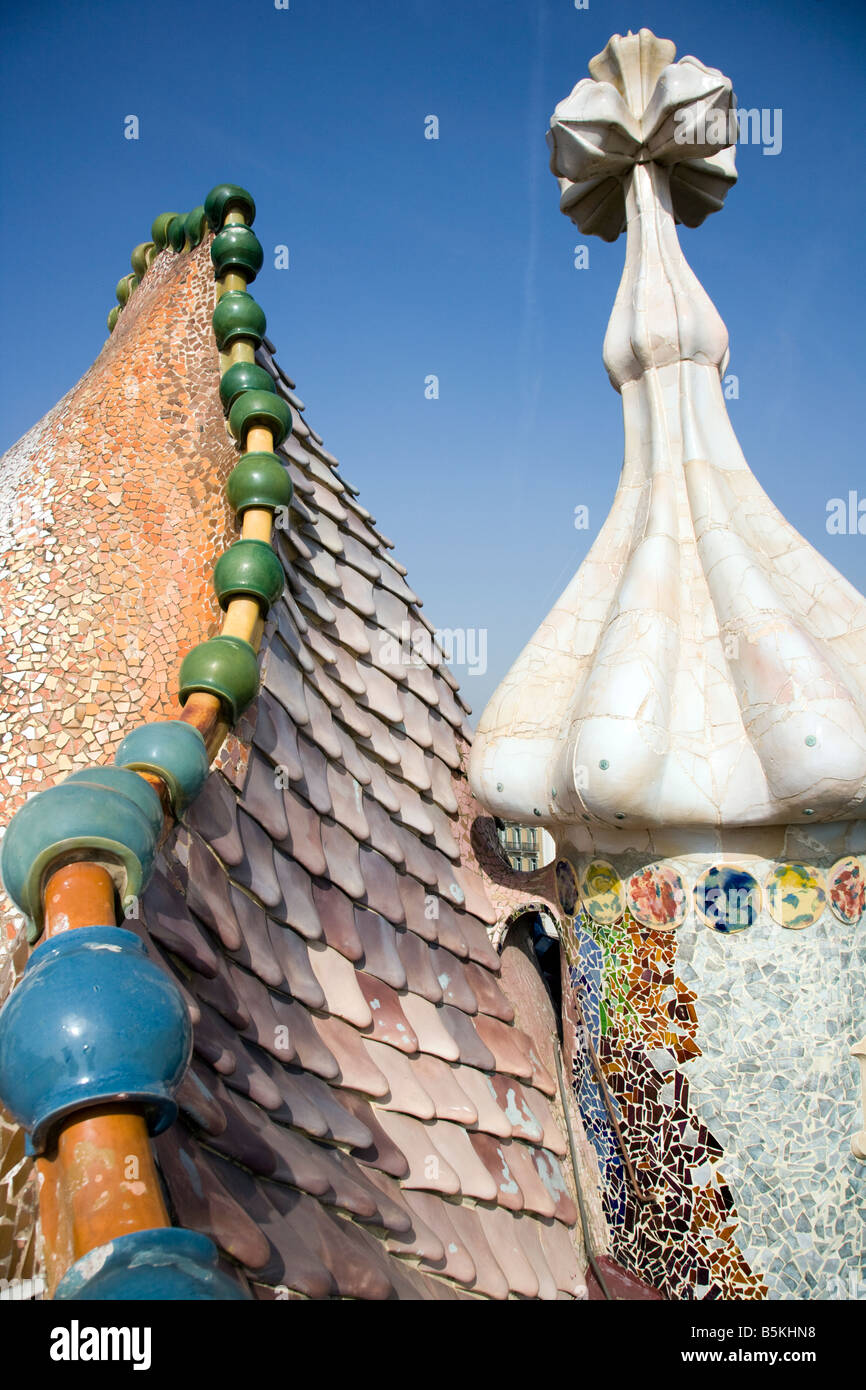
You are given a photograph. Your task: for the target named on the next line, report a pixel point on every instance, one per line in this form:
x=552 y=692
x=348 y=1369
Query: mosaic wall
x=776 y=1082
x=723 y=1004
x=112 y=512
x=642 y=1020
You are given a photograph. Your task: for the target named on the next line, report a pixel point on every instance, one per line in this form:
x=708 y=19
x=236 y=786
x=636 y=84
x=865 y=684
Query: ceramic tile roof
x=363 y=1117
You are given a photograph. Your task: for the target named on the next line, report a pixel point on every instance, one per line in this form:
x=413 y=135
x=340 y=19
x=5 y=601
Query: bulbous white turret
x=705 y=666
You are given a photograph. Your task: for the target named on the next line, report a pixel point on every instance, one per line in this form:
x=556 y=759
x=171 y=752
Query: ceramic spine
x=171 y=758
x=100 y=829
x=248 y=576
x=170 y=229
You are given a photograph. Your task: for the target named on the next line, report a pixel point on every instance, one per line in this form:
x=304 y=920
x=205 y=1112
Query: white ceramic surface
x=706 y=667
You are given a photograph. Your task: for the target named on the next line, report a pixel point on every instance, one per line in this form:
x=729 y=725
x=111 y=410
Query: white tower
x=689 y=720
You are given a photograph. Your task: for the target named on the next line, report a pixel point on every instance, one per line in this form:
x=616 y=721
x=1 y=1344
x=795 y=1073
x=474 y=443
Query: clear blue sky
x=411 y=257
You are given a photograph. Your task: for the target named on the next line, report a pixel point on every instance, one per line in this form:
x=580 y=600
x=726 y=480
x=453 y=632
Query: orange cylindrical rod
x=110 y=1177
x=259 y=439
x=241 y=619
x=100 y=1181
x=79 y=895
x=55 y=1221
x=257 y=524
x=205 y=713
x=159 y=787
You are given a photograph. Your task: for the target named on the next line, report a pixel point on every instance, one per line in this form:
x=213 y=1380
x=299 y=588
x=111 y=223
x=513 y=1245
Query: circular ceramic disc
x=601 y=891
x=796 y=895
x=656 y=897
x=847 y=889
x=728 y=898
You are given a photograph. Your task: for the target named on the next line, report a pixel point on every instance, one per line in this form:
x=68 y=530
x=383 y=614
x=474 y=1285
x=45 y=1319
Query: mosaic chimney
x=689 y=722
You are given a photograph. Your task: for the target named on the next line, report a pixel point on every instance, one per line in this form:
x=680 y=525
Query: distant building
x=527 y=846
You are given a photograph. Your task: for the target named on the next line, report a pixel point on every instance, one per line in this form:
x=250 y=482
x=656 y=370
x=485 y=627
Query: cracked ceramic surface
x=704 y=667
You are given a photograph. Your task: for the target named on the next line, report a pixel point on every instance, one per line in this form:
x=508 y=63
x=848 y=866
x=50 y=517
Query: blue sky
x=411 y=257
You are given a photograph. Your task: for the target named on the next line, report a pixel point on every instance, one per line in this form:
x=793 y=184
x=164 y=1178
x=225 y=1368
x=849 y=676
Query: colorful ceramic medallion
x=847 y=889
x=601 y=891
x=656 y=896
x=728 y=898
x=796 y=895
x=566 y=887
